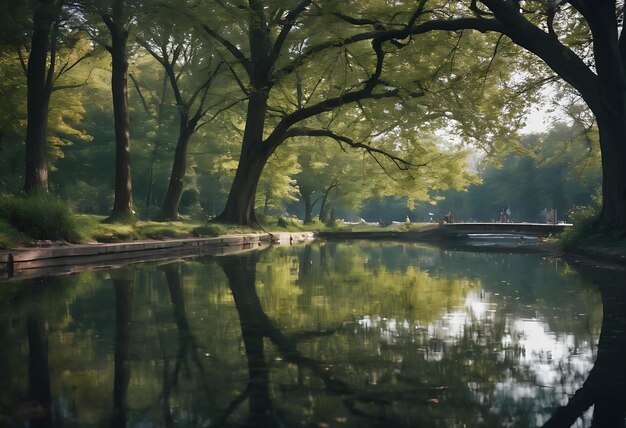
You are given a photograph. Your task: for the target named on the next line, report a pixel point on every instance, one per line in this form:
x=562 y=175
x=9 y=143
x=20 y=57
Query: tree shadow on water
x=605 y=387
x=255 y=326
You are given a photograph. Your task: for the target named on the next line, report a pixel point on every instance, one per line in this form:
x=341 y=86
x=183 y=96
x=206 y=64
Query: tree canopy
x=273 y=104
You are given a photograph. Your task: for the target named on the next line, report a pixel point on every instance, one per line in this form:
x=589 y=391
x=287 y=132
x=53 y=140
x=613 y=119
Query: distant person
x=507 y=213
x=502 y=218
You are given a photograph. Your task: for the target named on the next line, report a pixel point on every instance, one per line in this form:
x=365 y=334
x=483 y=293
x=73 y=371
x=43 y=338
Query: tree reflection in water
x=123 y=286
x=38 y=371
x=605 y=387
x=255 y=326
x=186 y=342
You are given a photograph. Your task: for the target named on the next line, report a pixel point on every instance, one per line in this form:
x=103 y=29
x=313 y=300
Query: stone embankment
x=70 y=257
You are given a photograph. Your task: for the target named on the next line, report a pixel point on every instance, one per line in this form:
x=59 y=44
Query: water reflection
x=605 y=386
x=39 y=394
x=354 y=334
x=123 y=286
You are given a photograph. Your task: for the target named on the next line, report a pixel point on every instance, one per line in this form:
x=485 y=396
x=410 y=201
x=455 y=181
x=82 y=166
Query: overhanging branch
x=400 y=163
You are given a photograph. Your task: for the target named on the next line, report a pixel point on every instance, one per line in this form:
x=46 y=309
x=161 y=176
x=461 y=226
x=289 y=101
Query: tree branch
x=307 y=53
x=400 y=163
x=235 y=52
x=141 y=97
x=217 y=113
x=236 y=77
x=510 y=22
x=289 y=21
x=276 y=136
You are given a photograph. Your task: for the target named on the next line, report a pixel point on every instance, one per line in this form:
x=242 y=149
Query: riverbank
x=47 y=256
x=27 y=261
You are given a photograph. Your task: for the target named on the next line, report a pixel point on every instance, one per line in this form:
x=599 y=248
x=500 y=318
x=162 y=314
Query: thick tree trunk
x=123 y=203
x=239 y=208
x=613 y=146
x=610 y=65
x=169 y=209
x=38 y=99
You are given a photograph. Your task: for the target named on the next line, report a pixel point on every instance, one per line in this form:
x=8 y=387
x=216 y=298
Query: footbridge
x=522 y=229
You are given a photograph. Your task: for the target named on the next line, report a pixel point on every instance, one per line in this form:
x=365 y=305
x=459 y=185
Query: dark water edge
x=350 y=334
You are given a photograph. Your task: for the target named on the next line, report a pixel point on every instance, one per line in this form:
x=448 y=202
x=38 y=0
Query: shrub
x=207 y=230
x=584 y=220
x=40 y=217
x=9 y=236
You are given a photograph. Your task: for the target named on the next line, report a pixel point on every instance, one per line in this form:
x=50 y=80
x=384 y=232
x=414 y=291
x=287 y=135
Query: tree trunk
x=613 y=147
x=38 y=99
x=239 y=208
x=169 y=208
x=123 y=204
x=610 y=64
x=323 y=208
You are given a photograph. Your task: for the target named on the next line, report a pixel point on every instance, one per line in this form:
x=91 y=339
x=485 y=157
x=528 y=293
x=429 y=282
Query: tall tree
x=280 y=40
x=182 y=57
x=584 y=43
x=52 y=29
x=40 y=73
x=118 y=21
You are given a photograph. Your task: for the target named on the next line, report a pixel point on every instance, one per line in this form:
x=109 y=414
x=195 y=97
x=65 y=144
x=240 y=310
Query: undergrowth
x=40 y=217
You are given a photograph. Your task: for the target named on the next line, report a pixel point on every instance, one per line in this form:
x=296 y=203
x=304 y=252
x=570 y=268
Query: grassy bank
x=29 y=221
x=594 y=245
x=33 y=221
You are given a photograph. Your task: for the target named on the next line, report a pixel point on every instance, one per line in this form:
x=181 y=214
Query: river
x=335 y=334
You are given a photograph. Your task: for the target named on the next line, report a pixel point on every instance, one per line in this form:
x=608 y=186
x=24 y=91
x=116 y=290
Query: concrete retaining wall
x=22 y=259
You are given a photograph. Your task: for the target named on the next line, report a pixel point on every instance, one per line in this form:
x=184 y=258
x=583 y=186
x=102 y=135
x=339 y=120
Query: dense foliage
x=349 y=112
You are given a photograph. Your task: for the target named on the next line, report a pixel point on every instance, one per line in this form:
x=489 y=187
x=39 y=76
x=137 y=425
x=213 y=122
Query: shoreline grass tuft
x=41 y=217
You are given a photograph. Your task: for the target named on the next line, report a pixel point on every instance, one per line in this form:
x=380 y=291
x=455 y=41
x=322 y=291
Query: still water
x=359 y=334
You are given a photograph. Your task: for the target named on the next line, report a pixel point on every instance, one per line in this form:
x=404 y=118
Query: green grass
x=9 y=236
x=93 y=229
x=40 y=217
